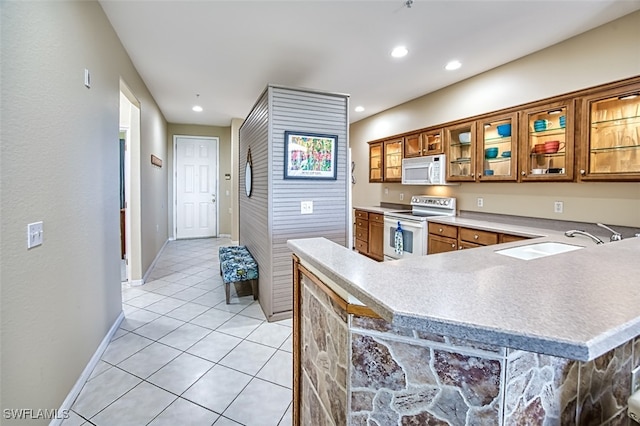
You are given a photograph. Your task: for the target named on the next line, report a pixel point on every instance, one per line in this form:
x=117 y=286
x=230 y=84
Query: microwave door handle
x=430 y=172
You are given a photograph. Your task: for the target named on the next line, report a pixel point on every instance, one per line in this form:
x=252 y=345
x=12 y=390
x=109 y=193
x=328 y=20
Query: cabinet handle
x=439 y=229
x=523 y=173
x=453 y=245
x=583 y=172
x=459 y=248
x=475 y=236
x=479 y=174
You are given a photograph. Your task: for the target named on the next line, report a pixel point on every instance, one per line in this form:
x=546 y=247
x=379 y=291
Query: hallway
x=182 y=356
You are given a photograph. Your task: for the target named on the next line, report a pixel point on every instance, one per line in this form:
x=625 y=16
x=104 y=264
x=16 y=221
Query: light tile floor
x=182 y=356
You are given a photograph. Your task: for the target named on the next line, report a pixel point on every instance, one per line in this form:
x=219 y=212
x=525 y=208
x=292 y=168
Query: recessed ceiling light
x=197 y=108
x=399 y=52
x=453 y=65
x=359 y=108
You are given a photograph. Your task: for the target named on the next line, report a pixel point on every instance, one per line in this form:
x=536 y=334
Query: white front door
x=196 y=186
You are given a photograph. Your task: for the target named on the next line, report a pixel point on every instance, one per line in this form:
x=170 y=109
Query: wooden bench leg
x=254 y=289
x=227 y=291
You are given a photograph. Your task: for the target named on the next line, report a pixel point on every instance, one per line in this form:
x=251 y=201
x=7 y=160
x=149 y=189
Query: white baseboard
x=86 y=373
x=150 y=268
x=136 y=283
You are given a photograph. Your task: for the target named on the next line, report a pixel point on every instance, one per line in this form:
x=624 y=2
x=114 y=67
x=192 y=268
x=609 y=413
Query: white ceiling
x=228 y=51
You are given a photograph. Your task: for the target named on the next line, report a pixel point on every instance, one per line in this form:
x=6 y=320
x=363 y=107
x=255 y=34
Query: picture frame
x=310 y=155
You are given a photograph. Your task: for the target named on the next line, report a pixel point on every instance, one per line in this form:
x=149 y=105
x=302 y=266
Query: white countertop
x=576 y=305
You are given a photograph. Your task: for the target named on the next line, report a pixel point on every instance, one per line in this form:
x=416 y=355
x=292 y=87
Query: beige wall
x=602 y=55
x=224 y=167
x=59 y=164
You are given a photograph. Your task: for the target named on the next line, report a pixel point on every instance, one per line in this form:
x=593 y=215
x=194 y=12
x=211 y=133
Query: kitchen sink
x=537 y=250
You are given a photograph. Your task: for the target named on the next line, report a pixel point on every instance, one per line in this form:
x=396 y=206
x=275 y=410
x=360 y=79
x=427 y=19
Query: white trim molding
x=86 y=373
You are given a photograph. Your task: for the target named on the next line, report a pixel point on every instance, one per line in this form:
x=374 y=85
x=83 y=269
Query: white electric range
x=414 y=225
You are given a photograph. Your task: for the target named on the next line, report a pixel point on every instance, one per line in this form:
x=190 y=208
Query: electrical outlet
x=401 y=196
x=386 y=191
x=35 y=233
x=306 y=207
x=635 y=380
x=558 y=206
x=480 y=202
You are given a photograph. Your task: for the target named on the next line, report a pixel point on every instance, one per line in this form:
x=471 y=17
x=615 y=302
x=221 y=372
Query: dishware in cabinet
x=393 y=160
x=460 y=147
x=375 y=162
x=497 y=151
x=547 y=142
x=611 y=126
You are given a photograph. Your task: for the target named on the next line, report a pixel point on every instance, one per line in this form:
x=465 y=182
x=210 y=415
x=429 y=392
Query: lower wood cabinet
x=369 y=234
x=444 y=238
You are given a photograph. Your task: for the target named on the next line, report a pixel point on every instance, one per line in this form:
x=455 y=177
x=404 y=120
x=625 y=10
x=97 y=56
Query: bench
x=237 y=265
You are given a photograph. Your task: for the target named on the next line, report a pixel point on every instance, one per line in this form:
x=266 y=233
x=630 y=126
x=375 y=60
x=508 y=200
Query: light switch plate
x=306 y=207
x=35 y=233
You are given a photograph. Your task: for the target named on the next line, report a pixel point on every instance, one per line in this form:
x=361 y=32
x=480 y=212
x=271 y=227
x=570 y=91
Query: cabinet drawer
x=476 y=236
x=362 y=234
x=376 y=217
x=362 y=215
x=362 y=246
x=362 y=223
x=443 y=230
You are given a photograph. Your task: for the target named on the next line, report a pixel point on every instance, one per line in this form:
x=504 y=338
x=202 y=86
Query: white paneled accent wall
x=271 y=215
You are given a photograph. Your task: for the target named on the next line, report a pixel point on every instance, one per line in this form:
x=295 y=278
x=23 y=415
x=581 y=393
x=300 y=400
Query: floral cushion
x=225 y=253
x=239 y=268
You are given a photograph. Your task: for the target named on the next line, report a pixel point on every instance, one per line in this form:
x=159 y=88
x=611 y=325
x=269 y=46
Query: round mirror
x=248 y=175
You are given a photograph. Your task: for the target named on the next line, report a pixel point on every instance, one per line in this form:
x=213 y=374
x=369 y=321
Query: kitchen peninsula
x=466 y=338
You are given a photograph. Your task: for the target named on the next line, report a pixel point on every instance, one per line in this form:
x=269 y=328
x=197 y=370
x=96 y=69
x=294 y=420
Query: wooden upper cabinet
x=423 y=143
x=460 y=149
x=497 y=148
x=610 y=134
x=412 y=145
x=547 y=142
x=376 y=161
x=393 y=160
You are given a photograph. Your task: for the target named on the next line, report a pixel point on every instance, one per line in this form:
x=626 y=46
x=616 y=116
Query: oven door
x=414 y=239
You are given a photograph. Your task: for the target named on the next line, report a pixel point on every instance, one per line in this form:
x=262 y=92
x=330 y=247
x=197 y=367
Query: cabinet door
x=547 y=141
x=497 y=152
x=437 y=244
x=460 y=143
x=611 y=123
x=431 y=142
x=376 y=240
x=376 y=162
x=393 y=160
x=413 y=145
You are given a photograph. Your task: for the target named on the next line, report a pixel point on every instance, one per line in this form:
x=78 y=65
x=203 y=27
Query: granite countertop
x=576 y=305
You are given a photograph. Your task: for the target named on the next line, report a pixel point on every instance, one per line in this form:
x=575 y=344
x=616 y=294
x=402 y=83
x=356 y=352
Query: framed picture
x=309 y=155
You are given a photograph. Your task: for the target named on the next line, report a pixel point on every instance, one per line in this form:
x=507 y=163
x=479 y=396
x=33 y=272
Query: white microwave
x=427 y=170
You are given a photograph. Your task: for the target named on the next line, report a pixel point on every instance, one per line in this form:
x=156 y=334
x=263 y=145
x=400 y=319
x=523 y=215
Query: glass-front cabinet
x=393 y=160
x=460 y=142
x=423 y=143
x=497 y=152
x=547 y=141
x=611 y=120
x=375 y=162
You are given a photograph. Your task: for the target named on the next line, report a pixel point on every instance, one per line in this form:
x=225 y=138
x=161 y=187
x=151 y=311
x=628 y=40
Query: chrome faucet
x=575 y=232
x=616 y=236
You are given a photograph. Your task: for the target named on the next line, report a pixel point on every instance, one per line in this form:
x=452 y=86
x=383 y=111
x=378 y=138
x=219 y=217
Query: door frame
x=175 y=181
x=127 y=200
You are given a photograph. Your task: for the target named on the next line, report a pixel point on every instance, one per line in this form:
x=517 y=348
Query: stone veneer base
x=357 y=370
